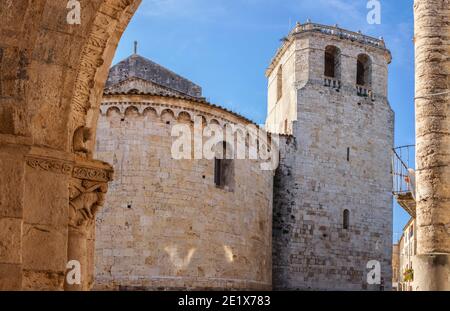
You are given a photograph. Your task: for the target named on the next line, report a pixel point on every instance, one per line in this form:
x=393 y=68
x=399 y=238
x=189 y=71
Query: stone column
x=432 y=44
x=88 y=188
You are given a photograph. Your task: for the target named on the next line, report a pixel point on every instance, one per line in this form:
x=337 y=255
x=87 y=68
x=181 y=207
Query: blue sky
x=226 y=45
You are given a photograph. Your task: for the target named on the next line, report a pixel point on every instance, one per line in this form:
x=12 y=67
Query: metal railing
x=403 y=158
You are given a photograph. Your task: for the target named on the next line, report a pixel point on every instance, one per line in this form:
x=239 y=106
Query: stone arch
x=364 y=70
x=132 y=111
x=184 y=116
x=332 y=68
x=150 y=111
x=214 y=121
x=111 y=110
x=167 y=115
x=52 y=78
x=53 y=73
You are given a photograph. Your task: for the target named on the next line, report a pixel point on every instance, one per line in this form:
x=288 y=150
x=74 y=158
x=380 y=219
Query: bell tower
x=327 y=92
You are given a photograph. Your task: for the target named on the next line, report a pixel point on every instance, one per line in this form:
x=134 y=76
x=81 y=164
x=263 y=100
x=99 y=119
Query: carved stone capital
x=86 y=199
x=88 y=184
x=88 y=187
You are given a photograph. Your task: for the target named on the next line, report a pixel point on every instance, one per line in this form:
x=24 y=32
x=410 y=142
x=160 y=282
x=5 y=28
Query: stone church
x=321 y=221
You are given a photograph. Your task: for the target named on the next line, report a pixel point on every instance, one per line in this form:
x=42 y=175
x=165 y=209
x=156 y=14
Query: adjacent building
x=406 y=252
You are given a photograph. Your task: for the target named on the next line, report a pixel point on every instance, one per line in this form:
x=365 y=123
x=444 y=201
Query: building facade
x=395 y=266
x=327 y=90
x=167 y=224
x=407 y=252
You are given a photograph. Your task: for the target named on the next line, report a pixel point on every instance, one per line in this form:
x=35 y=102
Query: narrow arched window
x=280 y=83
x=346 y=220
x=332 y=62
x=364 y=70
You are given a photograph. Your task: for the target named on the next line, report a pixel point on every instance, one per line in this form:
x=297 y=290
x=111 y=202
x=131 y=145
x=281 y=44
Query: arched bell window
x=332 y=62
x=364 y=70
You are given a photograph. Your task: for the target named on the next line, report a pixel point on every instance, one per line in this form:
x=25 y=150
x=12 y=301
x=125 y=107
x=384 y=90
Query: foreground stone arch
x=52 y=76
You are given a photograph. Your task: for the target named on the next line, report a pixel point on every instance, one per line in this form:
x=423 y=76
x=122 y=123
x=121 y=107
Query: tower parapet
x=335 y=31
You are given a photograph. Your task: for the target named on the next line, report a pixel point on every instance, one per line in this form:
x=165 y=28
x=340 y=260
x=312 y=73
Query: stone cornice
x=339 y=33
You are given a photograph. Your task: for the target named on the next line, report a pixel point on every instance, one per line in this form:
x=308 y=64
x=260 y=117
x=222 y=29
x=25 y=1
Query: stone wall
x=337 y=159
x=280 y=112
x=165 y=224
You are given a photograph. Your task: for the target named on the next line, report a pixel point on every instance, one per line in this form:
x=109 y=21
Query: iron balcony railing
x=403 y=164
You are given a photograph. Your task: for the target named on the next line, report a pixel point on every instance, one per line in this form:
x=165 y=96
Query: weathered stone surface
x=10 y=276
x=40 y=243
x=10 y=240
x=165 y=224
x=12 y=169
x=337 y=159
x=51 y=189
x=42 y=280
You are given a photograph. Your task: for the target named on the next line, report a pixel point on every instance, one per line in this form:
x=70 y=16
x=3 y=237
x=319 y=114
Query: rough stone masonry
x=332 y=191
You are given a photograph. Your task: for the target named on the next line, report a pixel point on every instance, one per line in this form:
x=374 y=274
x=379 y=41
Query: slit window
x=346 y=220
x=224 y=168
x=280 y=83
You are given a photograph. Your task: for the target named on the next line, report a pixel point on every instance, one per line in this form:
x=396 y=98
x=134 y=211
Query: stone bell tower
x=327 y=93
